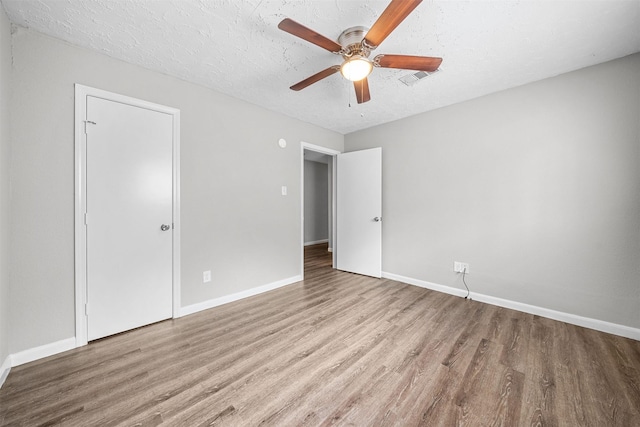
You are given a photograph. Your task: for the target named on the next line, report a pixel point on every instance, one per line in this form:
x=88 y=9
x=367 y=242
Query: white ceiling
x=236 y=48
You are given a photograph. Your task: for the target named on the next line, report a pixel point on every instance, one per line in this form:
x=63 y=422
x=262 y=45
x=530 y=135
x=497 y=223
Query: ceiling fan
x=355 y=45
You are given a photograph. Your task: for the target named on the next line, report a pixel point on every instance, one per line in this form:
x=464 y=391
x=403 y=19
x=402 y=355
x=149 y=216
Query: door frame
x=80 y=199
x=334 y=157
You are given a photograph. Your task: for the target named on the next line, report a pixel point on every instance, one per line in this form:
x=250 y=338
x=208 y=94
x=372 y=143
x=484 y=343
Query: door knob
x=377 y=219
x=165 y=227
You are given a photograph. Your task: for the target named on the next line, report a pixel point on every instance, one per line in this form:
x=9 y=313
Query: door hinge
x=88 y=122
x=86 y=218
x=86 y=309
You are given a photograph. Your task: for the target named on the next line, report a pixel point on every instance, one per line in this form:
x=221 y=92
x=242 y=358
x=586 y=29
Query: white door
x=359 y=212
x=129 y=216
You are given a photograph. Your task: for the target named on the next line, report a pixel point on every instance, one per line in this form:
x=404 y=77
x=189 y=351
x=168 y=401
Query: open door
x=359 y=212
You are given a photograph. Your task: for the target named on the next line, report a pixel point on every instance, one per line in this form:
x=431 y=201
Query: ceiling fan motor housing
x=351 y=42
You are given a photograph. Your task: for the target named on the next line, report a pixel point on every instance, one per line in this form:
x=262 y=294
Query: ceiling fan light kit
x=355 y=45
x=356 y=68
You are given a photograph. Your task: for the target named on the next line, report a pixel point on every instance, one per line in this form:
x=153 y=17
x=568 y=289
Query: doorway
x=356 y=208
x=318 y=203
x=127 y=213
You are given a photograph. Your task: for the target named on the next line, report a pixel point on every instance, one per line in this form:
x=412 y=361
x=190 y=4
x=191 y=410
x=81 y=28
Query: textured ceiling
x=236 y=48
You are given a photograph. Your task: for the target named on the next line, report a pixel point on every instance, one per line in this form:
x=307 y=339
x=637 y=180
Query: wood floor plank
x=605 y=403
x=433 y=405
x=477 y=380
x=627 y=376
x=515 y=342
x=464 y=347
x=337 y=349
x=540 y=388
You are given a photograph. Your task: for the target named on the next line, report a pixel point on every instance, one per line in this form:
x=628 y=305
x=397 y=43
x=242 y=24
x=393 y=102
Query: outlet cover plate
x=460 y=267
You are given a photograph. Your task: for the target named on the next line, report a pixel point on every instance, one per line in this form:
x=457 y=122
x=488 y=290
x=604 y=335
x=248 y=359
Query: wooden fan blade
x=408 y=62
x=299 y=30
x=392 y=16
x=316 y=77
x=362 y=90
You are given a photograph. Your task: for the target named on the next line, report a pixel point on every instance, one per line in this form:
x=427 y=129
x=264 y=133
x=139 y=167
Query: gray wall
x=5 y=146
x=316 y=201
x=234 y=220
x=537 y=187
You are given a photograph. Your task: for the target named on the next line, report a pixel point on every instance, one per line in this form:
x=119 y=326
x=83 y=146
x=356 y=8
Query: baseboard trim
x=316 y=242
x=26 y=356
x=42 y=351
x=4 y=369
x=424 y=284
x=587 y=322
x=205 y=305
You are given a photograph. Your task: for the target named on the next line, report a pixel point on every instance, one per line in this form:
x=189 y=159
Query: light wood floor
x=337 y=349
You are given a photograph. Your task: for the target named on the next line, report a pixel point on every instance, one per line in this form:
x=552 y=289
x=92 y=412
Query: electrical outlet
x=460 y=267
x=206 y=276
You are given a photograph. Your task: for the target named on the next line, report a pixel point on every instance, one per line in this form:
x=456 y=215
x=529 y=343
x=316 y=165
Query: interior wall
x=316 y=202
x=537 y=188
x=232 y=212
x=5 y=163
